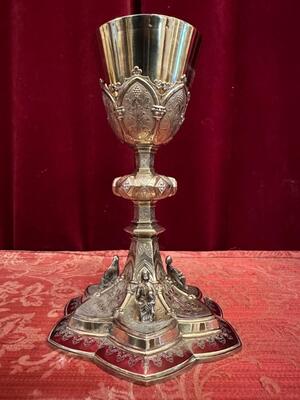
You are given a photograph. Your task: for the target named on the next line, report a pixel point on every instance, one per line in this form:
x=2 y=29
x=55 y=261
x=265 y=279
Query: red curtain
x=236 y=158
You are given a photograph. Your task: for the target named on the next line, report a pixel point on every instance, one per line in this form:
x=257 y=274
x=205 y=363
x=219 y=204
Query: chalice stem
x=144 y=250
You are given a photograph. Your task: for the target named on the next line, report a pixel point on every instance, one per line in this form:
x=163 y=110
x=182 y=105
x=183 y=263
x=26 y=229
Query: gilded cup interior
x=163 y=47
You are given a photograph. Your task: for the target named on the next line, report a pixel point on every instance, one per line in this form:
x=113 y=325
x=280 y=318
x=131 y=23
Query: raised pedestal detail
x=144 y=330
x=146 y=323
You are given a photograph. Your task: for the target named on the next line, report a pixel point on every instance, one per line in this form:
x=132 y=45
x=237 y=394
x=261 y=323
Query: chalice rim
x=162 y=16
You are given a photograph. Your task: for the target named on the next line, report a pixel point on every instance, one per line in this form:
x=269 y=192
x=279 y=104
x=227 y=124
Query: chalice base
x=144 y=352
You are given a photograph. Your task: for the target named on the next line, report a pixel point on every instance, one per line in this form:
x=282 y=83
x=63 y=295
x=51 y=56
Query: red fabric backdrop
x=236 y=158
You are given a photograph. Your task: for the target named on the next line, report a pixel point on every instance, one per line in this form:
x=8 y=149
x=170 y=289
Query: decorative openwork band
x=144 y=112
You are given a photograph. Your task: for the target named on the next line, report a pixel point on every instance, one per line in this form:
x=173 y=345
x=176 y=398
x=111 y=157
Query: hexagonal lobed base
x=149 y=366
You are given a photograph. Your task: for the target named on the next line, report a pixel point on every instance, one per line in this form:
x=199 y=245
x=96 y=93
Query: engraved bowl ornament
x=147 y=91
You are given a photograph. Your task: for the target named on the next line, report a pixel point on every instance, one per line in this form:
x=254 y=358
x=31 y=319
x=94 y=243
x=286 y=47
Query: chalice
x=146 y=322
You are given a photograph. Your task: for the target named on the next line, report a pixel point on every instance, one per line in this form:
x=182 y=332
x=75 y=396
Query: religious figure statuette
x=145 y=323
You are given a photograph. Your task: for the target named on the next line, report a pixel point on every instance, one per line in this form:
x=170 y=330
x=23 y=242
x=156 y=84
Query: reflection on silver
x=164 y=47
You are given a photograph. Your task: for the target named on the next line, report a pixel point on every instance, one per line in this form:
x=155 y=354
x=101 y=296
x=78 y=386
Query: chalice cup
x=145 y=323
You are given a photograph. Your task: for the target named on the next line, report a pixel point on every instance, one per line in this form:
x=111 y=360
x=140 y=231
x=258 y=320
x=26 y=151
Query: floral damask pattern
x=258 y=291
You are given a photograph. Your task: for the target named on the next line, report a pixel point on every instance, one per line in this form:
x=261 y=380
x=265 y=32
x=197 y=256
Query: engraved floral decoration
x=137 y=104
x=142 y=111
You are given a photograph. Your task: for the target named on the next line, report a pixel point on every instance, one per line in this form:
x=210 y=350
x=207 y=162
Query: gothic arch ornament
x=145 y=111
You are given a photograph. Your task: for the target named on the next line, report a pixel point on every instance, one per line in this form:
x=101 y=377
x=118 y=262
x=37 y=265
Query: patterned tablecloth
x=258 y=291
